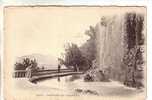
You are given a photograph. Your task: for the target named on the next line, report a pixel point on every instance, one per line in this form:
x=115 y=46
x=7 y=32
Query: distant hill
x=47 y=61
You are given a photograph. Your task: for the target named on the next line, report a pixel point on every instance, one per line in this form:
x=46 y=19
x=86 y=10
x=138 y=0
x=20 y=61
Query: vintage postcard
x=75 y=52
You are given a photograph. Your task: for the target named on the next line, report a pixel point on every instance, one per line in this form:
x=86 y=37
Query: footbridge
x=44 y=74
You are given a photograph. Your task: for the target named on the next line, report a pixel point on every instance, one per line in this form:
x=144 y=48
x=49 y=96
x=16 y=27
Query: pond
x=79 y=87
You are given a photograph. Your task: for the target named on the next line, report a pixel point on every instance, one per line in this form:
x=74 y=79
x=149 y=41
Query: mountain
x=47 y=61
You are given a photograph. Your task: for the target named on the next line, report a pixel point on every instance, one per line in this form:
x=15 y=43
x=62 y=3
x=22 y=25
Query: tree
x=26 y=62
x=89 y=49
x=73 y=58
x=19 y=66
x=22 y=65
x=134 y=40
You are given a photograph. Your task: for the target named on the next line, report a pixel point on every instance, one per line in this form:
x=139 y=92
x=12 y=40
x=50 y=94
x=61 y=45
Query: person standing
x=59 y=67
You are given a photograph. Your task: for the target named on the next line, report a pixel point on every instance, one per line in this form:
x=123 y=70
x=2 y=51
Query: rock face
x=120 y=40
x=110 y=42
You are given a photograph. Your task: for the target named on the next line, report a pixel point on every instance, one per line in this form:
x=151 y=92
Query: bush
x=88 y=78
x=96 y=74
x=26 y=62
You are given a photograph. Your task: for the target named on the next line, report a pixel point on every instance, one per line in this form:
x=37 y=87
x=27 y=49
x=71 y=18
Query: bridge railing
x=42 y=77
x=53 y=70
x=50 y=72
x=19 y=74
x=22 y=73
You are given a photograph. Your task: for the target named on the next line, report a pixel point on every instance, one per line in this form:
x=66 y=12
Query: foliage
x=133 y=59
x=73 y=58
x=89 y=49
x=88 y=78
x=82 y=56
x=134 y=27
x=26 y=62
x=95 y=73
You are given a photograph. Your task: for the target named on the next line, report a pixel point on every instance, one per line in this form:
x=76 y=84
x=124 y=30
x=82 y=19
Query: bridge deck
x=50 y=72
x=53 y=75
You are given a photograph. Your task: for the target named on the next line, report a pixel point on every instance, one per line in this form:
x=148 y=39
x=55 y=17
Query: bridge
x=44 y=74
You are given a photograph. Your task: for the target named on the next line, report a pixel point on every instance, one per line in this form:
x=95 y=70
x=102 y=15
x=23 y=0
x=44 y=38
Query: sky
x=45 y=30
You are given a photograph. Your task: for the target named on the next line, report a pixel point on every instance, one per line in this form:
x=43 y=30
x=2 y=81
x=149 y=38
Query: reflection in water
x=60 y=82
x=58 y=79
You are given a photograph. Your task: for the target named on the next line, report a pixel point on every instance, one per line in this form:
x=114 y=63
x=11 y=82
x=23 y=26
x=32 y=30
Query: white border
x=87 y=2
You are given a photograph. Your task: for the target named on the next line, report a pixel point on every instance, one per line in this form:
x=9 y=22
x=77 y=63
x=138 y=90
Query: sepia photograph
x=75 y=52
